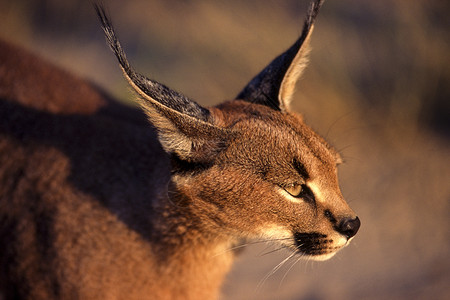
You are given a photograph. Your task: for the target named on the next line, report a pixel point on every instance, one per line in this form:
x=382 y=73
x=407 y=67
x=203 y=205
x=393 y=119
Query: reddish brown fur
x=92 y=207
x=69 y=221
x=59 y=93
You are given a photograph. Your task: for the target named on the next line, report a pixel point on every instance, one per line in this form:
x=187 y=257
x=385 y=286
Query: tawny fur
x=96 y=202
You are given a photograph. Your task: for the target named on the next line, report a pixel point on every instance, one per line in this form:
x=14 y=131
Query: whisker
x=249 y=244
x=290 y=268
x=339 y=119
x=272 y=251
x=231 y=249
x=273 y=271
x=263 y=252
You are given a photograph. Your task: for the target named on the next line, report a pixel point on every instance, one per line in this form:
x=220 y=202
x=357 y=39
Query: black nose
x=348 y=227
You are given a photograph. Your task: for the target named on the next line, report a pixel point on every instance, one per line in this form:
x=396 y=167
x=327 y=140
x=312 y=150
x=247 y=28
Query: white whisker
x=272 y=251
x=290 y=268
x=249 y=244
x=273 y=271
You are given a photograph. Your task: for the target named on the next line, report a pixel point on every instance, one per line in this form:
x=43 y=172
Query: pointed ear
x=184 y=127
x=274 y=86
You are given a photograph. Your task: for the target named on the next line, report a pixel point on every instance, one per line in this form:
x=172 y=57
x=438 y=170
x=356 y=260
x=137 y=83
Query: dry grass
x=378 y=87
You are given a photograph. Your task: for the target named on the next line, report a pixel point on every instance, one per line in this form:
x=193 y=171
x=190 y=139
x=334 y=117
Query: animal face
x=251 y=167
x=275 y=179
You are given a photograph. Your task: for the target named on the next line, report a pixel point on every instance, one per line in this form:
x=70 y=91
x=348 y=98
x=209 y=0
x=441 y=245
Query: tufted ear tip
x=184 y=127
x=274 y=86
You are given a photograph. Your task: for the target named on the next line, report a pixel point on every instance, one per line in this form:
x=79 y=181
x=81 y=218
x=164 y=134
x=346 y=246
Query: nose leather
x=348 y=227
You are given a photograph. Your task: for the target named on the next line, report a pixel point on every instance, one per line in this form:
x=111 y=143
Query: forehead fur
x=268 y=136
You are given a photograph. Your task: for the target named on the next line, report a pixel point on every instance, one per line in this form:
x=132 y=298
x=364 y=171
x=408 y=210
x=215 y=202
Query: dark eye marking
x=329 y=215
x=307 y=195
x=300 y=168
x=301 y=191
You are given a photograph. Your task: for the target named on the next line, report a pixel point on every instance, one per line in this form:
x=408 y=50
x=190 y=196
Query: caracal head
x=276 y=180
x=250 y=167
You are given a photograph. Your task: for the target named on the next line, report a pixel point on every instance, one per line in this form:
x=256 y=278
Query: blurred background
x=378 y=88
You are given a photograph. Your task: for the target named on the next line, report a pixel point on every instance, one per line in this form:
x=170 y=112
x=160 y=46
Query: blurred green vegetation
x=378 y=87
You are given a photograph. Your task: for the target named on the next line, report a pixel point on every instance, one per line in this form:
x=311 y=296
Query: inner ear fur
x=184 y=127
x=189 y=137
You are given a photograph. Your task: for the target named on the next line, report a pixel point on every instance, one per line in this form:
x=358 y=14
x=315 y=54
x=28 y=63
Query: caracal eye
x=293 y=189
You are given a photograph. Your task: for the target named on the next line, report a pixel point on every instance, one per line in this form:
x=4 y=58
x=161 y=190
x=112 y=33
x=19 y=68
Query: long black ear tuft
x=274 y=85
x=184 y=127
x=150 y=88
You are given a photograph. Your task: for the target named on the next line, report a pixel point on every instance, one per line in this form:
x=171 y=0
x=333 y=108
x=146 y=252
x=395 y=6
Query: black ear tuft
x=184 y=127
x=274 y=85
x=143 y=85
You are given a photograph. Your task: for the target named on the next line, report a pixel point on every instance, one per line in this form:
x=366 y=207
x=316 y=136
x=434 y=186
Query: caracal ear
x=274 y=86
x=184 y=127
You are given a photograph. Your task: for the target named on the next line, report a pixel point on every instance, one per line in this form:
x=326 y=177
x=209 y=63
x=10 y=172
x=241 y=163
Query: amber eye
x=293 y=189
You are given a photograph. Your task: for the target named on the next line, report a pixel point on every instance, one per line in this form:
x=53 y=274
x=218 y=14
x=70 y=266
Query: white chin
x=322 y=257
